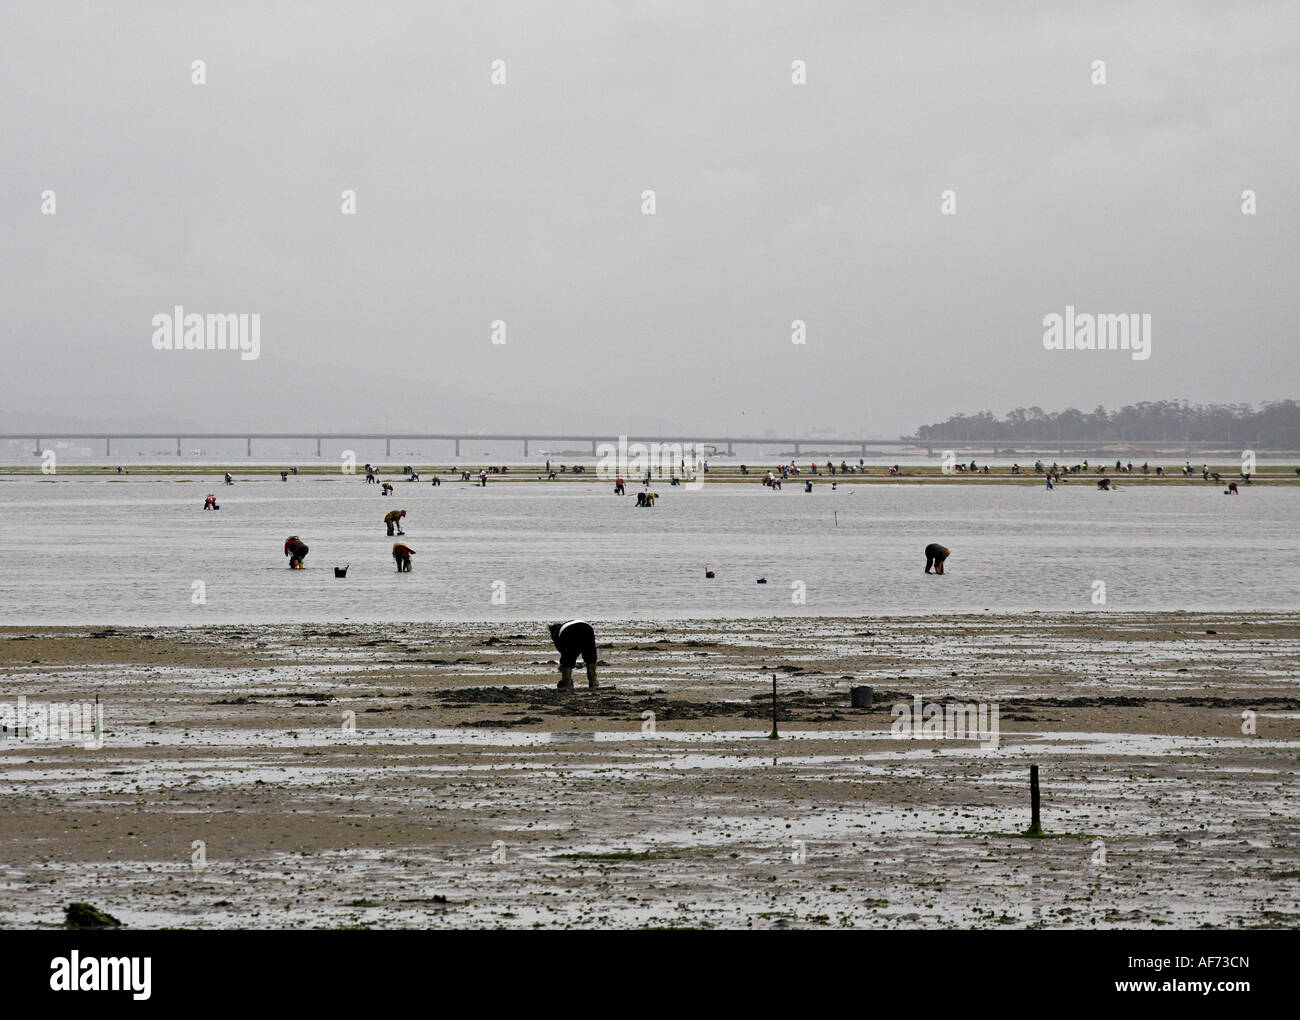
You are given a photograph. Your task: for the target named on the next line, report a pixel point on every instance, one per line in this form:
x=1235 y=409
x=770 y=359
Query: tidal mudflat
x=430 y=774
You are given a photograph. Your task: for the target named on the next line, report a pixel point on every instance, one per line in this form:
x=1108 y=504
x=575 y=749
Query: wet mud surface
x=431 y=775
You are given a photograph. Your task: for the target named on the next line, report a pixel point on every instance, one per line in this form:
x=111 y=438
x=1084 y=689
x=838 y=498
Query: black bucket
x=341 y=571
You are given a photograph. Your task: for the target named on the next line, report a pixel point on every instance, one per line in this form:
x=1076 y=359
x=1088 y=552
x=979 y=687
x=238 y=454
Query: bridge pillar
x=730 y=451
x=318 y=446
x=593 y=447
x=108 y=446
x=457 y=447
x=388 y=447
x=38 y=446
x=863 y=451
x=250 y=446
x=178 y=446
x=796 y=449
x=525 y=449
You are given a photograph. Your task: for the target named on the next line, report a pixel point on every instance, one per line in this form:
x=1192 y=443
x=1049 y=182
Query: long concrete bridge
x=729 y=443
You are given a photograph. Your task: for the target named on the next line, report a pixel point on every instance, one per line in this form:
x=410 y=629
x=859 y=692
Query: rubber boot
x=566 y=679
x=591 y=676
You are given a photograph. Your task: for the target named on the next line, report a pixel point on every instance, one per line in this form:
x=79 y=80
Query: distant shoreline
x=1272 y=474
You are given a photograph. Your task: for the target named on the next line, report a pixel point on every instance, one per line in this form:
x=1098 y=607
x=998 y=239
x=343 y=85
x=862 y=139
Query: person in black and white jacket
x=573 y=639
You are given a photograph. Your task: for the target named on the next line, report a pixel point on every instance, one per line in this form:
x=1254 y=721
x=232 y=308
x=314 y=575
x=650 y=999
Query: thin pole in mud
x=773 y=735
x=1035 y=826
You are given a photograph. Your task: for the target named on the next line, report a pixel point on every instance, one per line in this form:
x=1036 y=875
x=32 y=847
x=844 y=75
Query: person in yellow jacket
x=394 y=520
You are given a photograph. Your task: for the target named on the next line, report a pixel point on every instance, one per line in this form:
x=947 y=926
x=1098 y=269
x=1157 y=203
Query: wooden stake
x=773 y=735
x=1035 y=825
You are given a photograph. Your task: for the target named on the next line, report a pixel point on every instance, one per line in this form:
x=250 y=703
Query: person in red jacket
x=296 y=549
x=402 y=553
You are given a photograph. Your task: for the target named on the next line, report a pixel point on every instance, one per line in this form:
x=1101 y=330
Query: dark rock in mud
x=86 y=915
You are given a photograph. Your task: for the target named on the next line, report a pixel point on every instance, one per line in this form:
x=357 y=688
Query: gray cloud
x=521 y=203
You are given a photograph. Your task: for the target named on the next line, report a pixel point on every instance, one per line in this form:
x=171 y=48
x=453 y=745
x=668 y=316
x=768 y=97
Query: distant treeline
x=1274 y=425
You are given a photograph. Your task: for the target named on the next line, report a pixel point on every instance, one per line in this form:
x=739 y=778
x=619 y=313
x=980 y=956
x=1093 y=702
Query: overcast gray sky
x=522 y=202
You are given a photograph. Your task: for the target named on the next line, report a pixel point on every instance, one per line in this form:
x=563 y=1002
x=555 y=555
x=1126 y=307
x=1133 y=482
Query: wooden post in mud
x=1035 y=825
x=773 y=735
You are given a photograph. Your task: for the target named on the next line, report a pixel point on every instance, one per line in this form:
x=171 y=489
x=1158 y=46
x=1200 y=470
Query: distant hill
x=1273 y=425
